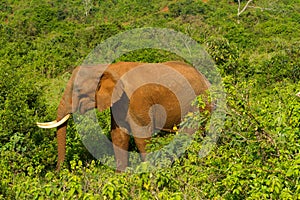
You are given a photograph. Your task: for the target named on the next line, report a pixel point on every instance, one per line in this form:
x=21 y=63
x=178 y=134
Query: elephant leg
x=120 y=139
x=141 y=135
x=141 y=145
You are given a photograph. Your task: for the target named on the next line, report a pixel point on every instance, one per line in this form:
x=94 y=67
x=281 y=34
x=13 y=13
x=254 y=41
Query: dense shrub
x=257 y=54
x=184 y=8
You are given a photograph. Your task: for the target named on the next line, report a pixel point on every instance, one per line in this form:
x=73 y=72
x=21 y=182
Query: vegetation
x=257 y=53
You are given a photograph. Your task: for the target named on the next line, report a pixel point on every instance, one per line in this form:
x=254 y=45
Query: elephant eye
x=76 y=89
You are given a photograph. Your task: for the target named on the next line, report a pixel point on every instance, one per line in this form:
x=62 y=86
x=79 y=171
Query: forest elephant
x=142 y=97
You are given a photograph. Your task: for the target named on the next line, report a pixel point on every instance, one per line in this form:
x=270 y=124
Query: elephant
x=142 y=97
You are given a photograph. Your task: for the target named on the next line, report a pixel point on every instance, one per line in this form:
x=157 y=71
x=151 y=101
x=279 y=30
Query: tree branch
x=245 y=7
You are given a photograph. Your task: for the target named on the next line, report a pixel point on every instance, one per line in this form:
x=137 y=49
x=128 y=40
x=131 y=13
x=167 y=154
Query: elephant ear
x=109 y=90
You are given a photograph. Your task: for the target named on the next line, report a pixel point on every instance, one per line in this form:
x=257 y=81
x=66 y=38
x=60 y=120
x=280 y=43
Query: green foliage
x=257 y=54
x=184 y=8
x=150 y=56
x=225 y=55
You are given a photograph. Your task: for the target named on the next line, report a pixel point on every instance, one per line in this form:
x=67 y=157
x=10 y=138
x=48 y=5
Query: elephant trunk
x=62 y=111
x=61 y=122
x=61 y=144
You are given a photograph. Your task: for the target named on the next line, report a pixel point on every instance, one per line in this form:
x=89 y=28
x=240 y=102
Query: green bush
x=189 y=7
x=257 y=54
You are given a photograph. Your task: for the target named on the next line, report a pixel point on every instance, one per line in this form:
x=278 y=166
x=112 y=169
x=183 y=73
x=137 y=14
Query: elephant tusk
x=54 y=123
x=46 y=123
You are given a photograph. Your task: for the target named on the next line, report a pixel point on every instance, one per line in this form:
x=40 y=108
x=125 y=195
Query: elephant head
x=80 y=96
x=89 y=87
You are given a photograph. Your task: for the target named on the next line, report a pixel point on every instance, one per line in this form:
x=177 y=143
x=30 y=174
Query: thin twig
x=245 y=7
x=261 y=8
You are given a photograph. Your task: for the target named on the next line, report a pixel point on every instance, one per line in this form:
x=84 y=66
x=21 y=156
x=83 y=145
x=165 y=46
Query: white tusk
x=46 y=123
x=54 y=123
